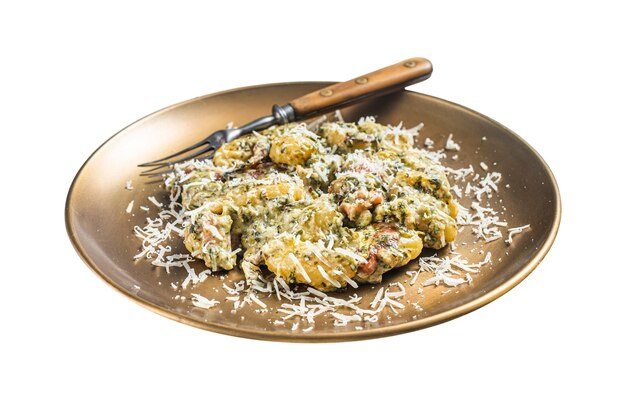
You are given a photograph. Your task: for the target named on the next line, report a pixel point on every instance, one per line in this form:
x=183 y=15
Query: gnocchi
x=326 y=208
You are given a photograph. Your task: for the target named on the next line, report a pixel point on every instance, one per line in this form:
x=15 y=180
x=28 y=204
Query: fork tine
x=190 y=157
x=150 y=172
x=156 y=168
x=155 y=174
x=162 y=160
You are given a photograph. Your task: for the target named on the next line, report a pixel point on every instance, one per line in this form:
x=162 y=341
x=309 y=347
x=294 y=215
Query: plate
x=102 y=231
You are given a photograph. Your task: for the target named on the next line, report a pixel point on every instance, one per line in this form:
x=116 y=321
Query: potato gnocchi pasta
x=335 y=206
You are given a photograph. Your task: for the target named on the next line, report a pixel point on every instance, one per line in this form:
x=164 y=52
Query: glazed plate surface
x=102 y=231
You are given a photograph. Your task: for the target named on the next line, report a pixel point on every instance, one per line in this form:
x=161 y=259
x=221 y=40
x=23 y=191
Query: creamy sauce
x=345 y=203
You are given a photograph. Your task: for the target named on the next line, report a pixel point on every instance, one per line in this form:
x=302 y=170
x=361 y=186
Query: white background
x=73 y=74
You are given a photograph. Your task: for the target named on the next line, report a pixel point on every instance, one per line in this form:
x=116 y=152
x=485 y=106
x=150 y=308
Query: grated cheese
x=514 y=231
x=351 y=282
x=351 y=254
x=203 y=302
x=336 y=284
x=444 y=269
x=451 y=145
x=155 y=202
x=256 y=300
x=299 y=266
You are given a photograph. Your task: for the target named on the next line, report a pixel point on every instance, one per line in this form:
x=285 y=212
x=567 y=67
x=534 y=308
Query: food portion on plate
x=327 y=207
x=308 y=213
x=332 y=202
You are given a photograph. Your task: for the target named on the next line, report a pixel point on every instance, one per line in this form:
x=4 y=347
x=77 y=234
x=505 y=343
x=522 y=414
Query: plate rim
x=321 y=337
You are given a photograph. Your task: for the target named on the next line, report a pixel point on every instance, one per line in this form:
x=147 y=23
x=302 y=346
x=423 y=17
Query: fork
x=374 y=84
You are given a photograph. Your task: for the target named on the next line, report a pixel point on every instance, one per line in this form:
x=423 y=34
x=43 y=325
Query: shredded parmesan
x=451 y=145
x=256 y=300
x=300 y=268
x=351 y=282
x=514 y=231
x=351 y=254
x=155 y=202
x=450 y=271
x=328 y=278
x=203 y=302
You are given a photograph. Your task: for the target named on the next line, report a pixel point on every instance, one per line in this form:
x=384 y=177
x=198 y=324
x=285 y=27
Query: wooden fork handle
x=382 y=81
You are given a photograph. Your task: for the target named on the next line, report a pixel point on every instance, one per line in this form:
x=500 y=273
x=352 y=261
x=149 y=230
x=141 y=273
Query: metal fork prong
x=208 y=150
x=167 y=168
x=190 y=157
x=155 y=174
x=162 y=160
x=156 y=168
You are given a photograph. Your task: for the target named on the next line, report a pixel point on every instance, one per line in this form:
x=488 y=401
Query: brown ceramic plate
x=102 y=231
